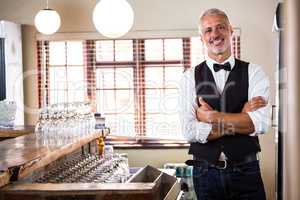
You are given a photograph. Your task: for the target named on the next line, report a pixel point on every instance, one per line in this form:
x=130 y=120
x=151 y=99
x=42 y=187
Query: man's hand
x=205 y=113
x=254 y=104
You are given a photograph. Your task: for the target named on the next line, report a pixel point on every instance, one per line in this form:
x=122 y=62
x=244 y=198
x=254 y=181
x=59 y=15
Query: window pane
x=99 y=101
x=76 y=95
x=104 y=50
x=57 y=53
x=105 y=101
x=120 y=124
x=124 y=101
x=163 y=126
x=124 y=78
x=153 y=100
x=118 y=101
x=154 y=77
x=170 y=101
x=76 y=84
x=75 y=74
x=124 y=50
x=58 y=96
x=105 y=78
x=162 y=101
x=173 y=49
x=57 y=78
x=153 y=50
x=197 y=51
x=75 y=53
x=173 y=76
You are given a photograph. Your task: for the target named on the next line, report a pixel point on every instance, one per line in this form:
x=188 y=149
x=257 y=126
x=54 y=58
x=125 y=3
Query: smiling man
x=223 y=109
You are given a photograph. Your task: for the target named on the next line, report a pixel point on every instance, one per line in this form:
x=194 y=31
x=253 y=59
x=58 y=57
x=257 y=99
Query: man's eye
x=222 y=27
x=207 y=31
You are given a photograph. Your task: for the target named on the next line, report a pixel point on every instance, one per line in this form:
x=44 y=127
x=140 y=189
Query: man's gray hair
x=210 y=12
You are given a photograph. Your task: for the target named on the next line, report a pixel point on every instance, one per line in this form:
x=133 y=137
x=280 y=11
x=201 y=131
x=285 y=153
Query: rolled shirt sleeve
x=192 y=129
x=259 y=86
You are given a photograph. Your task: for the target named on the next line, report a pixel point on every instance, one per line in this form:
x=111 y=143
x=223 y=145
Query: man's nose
x=215 y=32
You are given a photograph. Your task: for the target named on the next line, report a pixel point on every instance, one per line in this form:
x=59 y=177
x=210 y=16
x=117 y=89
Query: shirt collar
x=210 y=62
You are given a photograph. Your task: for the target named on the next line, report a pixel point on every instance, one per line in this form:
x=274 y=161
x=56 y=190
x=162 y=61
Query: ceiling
x=23 y=11
x=150 y=15
x=76 y=15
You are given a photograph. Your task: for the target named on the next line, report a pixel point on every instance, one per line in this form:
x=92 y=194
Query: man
x=224 y=108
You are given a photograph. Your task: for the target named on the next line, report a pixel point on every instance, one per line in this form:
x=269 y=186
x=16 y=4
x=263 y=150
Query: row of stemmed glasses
x=88 y=169
x=63 y=123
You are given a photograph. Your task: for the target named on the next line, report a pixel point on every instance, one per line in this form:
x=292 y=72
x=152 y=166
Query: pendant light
x=113 y=18
x=47 y=21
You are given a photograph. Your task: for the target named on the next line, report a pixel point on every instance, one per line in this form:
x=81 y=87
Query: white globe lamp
x=113 y=18
x=47 y=21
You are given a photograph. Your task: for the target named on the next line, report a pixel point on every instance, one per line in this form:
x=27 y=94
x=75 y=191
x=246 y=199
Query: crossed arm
x=229 y=123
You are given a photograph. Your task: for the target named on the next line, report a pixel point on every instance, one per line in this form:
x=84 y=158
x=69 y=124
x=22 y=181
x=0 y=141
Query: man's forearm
x=230 y=123
x=234 y=122
x=220 y=130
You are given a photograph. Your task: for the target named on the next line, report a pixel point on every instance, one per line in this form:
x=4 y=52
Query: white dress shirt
x=195 y=131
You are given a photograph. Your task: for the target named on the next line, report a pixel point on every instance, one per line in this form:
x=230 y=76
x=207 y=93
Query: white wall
x=14 y=69
x=155 y=157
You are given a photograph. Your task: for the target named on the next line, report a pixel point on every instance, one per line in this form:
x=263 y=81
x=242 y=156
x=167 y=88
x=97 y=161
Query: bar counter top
x=16 y=131
x=22 y=155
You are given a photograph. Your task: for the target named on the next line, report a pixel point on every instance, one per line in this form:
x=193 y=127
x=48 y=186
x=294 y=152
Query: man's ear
x=201 y=38
x=231 y=30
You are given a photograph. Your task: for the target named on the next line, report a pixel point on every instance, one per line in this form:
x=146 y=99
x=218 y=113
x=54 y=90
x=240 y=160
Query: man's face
x=216 y=34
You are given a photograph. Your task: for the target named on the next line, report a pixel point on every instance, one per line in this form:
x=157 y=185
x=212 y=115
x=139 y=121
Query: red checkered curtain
x=236 y=43
x=89 y=52
x=186 y=43
x=139 y=85
x=43 y=72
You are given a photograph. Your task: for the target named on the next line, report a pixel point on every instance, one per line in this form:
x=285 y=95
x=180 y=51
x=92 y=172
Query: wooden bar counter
x=16 y=131
x=25 y=157
x=22 y=155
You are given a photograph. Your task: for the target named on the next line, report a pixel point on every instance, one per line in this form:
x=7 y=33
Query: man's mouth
x=217 y=41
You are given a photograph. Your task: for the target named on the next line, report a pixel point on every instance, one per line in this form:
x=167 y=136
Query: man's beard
x=219 y=50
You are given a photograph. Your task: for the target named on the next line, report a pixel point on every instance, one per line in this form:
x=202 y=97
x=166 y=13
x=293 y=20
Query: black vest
x=232 y=100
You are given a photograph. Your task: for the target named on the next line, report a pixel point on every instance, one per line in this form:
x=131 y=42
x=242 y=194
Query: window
x=63 y=77
x=163 y=66
x=133 y=83
x=115 y=85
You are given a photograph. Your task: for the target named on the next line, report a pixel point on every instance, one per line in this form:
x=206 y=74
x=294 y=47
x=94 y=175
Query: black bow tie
x=218 y=67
